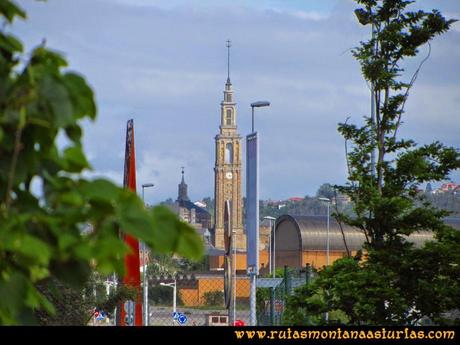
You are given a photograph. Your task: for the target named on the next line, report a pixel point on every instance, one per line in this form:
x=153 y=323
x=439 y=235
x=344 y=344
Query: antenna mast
x=228 y=45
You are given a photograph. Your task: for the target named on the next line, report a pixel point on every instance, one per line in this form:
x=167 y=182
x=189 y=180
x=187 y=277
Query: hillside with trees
x=395 y=283
x=311 y=205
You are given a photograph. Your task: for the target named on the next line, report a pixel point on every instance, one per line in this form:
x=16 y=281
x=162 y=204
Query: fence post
x=307 y=273
x=286 y=274
x=272 y=306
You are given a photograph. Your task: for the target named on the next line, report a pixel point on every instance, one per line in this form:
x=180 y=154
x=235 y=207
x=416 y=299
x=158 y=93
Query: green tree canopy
x=395 y=283
x=43 y=235
x=326 y=190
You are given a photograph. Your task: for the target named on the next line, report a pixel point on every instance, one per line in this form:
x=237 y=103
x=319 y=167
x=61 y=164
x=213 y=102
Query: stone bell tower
x=228 y=169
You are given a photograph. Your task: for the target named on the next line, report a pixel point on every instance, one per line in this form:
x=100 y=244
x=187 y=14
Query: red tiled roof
x=449 y=186
x=295 y=199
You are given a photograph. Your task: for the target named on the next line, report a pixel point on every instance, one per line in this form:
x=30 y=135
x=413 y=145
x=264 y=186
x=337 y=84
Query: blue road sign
x=180 y=318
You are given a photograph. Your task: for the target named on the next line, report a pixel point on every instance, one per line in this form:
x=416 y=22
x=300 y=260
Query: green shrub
x=214 y=298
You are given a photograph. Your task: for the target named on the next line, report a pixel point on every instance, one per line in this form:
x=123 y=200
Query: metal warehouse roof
x=312 y=233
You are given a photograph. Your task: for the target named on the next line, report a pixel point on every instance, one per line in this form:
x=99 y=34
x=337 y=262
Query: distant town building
x=457 y=190
x=429 y=188
x=295 y=199
x=189 y=212
x=278 y=204
x=448 y=187
x=200 y=204
x=342 y=199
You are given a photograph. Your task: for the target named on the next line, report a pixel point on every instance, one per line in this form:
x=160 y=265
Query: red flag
x=132 y=265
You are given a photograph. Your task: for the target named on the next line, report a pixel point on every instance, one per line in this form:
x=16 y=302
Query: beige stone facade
x=228 y=172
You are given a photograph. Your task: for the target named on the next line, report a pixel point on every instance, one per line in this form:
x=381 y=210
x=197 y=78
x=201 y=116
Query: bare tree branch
x=340 y=224
x=14 y=161
x=346 y=150
x=412 y=81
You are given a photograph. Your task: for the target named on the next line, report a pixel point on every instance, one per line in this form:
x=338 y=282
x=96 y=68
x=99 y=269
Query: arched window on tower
x=228 y=117
x=229 y=153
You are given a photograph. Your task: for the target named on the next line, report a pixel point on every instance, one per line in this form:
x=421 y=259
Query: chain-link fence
x=272 y=293
x=198 y=298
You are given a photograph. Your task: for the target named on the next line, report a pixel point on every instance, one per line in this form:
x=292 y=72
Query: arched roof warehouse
x=303 y=239
x=312 y=233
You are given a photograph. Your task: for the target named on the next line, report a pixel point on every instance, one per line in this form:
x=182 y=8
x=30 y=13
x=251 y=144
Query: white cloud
x=174 y=84
x=164 y=64
x=304 y=15
x=114 y=176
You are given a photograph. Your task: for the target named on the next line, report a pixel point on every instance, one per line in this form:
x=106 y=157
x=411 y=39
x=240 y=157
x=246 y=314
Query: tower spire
x=228 y=45
x=182 y=195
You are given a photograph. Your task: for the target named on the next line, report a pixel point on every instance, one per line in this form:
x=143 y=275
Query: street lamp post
x=145 y=288
x=146 y=185
x=258 y=104
x=253 y=210
x=328 y=201
x=172 y=285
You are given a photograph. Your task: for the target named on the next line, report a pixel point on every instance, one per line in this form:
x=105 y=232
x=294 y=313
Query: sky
x=164 y=64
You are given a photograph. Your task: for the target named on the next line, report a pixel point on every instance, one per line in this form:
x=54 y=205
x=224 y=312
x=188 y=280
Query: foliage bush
x=214 y=298
x=163 y=295
x=395 y=283
x=43 y=234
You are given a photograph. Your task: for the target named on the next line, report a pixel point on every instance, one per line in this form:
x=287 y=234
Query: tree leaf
x=9 y=10
x=54 y=95
x=81 y=95
x=75 y=159
x=10 y=44
x=133 y=218
x=99 y=189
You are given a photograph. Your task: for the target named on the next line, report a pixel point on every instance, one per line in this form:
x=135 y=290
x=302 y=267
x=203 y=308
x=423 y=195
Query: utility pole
x=145 y=287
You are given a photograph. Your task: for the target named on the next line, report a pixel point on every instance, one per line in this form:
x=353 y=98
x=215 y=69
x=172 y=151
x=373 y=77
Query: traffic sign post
x=129 y=308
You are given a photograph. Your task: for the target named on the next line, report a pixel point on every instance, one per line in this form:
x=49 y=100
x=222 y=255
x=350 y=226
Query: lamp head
x=260 y=104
